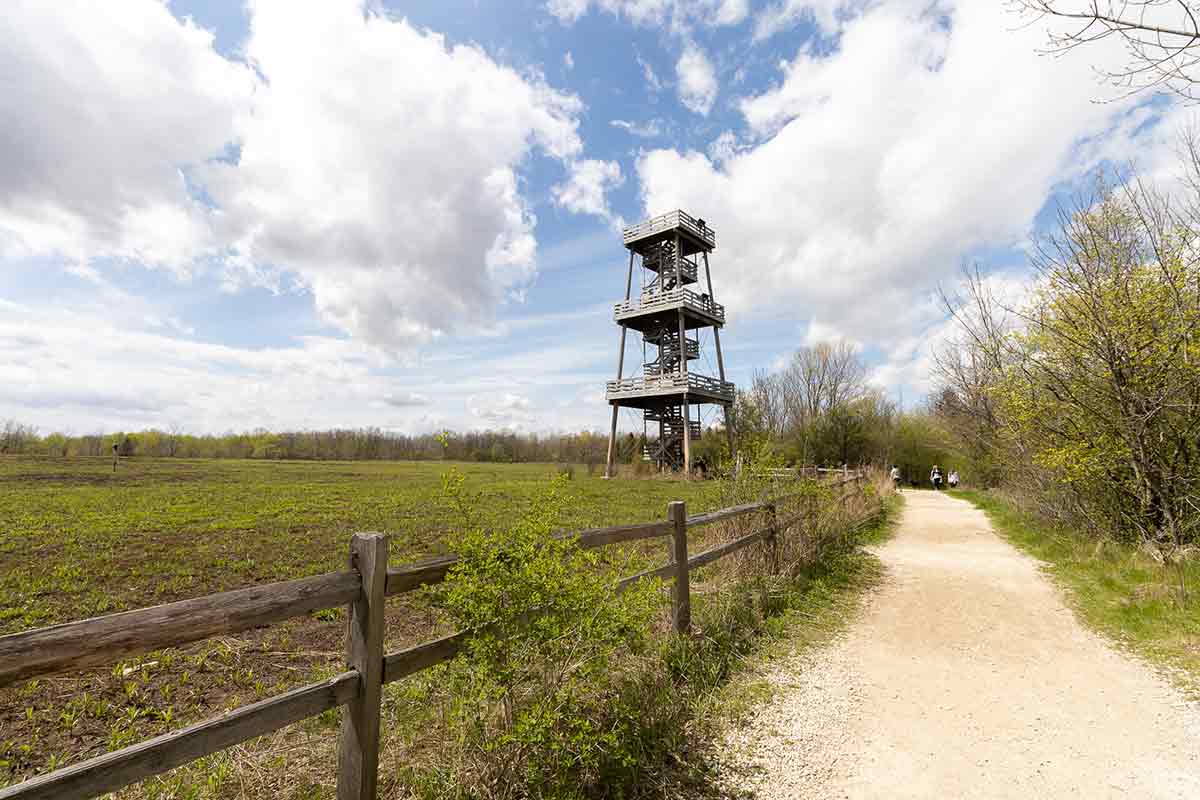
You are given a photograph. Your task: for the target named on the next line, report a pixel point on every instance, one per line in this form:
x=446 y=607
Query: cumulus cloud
x=320 y=159
x=879 y=167
x=697 y=80
x=585 y=190
x=95 y=156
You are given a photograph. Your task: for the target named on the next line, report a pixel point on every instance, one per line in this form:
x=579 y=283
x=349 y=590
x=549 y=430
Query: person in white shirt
x=896 y=477
x=953 y=479
x=935 y=477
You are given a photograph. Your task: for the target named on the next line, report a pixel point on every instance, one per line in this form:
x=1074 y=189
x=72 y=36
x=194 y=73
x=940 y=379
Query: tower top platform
x=694 y=234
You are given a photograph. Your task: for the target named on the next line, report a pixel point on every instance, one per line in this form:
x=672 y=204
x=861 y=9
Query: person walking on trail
x=935 y=477
x=896 y=477
x=952 y=481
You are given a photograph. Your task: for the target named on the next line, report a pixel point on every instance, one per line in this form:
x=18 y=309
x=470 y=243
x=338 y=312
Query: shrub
x=538 y=705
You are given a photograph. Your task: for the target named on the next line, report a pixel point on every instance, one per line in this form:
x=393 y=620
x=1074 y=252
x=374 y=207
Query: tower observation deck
x=670 y=314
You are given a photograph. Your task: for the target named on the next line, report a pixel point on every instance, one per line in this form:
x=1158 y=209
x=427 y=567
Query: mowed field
x=77 y=540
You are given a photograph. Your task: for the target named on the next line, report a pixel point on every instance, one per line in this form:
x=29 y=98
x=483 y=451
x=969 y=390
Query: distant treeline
x=339 y=444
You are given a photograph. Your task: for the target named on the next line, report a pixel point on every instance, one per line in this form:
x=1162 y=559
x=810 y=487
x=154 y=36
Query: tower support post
x=612 y=434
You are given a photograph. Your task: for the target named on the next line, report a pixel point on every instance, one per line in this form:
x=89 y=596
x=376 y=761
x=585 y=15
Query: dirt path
x=967 y=676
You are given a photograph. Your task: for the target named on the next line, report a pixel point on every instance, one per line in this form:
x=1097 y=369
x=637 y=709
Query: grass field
x=1117 y=589
x=77 y=540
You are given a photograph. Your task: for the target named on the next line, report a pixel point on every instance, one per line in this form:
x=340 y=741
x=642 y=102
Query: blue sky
x=225 y=215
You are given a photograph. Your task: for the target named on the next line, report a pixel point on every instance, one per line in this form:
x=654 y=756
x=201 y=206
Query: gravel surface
x=967 y=676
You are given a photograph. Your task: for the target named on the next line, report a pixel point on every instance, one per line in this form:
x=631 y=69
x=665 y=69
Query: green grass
x=1114 y=588
x=77 y=540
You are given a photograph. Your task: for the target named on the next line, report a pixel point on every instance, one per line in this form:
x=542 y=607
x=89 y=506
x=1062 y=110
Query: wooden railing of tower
x=362 y=587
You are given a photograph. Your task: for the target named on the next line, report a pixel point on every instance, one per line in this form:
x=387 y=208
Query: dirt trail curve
x=967 y=676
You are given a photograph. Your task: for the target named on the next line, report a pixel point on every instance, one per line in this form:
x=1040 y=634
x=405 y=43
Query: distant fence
x=363 y=588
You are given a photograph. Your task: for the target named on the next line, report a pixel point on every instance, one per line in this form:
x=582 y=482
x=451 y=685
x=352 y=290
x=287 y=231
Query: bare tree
x=1159 y=37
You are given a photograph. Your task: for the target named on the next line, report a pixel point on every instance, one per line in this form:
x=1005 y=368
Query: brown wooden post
x=720 y=361
x=358 y=752
x=612 y=436
x=681 y=596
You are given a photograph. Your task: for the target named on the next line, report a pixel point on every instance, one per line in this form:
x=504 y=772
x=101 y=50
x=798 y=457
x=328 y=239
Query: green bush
x=538 y=704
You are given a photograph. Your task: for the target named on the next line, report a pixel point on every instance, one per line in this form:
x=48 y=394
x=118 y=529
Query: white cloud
x=585 y=191
x=653 y=84
x=335 y=173
x=139 y=374
x=880 y=166
x=697 y=80
x=645 y=130
x=723 y=148
x=103 y=112
x=677 y=13
x=506 y=411
x=828 y=15
x=568 y=60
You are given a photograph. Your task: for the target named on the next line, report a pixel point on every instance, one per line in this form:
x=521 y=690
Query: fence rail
x=363 y=588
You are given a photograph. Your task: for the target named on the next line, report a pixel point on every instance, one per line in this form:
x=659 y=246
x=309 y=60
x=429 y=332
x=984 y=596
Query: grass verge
x=1114 y=588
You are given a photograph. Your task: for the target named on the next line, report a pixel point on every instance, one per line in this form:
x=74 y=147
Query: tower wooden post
x=616 y=407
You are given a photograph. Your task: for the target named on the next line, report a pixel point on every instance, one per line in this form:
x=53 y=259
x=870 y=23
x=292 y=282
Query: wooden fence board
x=722 y=550
x=103 y=640
x=111 y=771
x=403 y=663
x=420 y=573
x=599 y=537
x=725 y=513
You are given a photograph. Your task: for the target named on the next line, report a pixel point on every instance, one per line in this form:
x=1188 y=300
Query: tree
x=1097 y=387
x=1159 y=37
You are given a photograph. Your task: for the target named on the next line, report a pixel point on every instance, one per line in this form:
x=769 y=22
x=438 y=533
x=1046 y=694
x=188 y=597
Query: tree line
x=343 y=444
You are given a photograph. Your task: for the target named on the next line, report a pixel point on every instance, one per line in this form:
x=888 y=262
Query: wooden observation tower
x=669 y=314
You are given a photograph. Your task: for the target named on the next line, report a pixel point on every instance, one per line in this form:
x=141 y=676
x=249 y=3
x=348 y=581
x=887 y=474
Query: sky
x=226 y=215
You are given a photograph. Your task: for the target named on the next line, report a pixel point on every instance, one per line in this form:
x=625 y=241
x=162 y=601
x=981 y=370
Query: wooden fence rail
x=363 y=588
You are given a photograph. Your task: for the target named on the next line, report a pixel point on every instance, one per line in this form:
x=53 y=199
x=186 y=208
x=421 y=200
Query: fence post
x=358 y=752
x=681 y=597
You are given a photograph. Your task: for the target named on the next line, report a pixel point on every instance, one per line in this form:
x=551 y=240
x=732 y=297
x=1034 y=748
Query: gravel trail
x=967 y=676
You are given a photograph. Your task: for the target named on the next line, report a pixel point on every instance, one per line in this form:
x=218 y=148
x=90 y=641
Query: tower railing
x=669 y=222
x=690 y=381
x=652 y=300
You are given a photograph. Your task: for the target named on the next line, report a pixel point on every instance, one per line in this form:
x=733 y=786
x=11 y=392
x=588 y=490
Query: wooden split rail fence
x=363 y=587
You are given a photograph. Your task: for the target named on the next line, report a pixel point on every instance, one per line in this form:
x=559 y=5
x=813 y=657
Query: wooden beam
x=358 y=750
x=681 y=598
x=665 y=571
x=612 y=433
x=725 y=513
x=421 y=573
x=598 y=537
x=111 y=771
x=103 y=640
x=405 y=662
x=720 y=551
